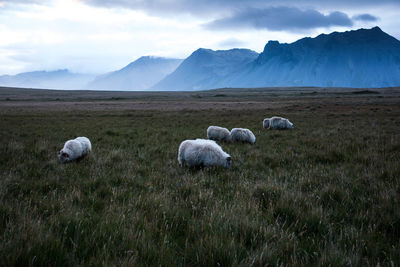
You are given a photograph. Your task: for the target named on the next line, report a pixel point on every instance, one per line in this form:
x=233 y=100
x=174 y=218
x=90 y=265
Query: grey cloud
x=19 y=4
x=203 y=7
x=211 y=8
x=280 y=18
x=365 y=17
x=24 y=1
x=165 y=8
x=17 y=1
x=200 y=7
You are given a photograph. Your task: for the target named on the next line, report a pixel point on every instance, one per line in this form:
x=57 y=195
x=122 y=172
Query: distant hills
x=59 y=79
x=141 y=74
x=363 y=58
x=138 y=75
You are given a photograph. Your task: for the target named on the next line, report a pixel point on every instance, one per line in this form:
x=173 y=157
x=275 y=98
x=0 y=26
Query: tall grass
x=324 y=193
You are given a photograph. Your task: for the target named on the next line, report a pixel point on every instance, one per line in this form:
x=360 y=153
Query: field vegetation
x=325 y=193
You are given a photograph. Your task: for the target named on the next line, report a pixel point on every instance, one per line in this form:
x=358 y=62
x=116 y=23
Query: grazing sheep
x=202 y=152
x=219 y=134
x=277 y=123
x=243 y=135
x=75 y=149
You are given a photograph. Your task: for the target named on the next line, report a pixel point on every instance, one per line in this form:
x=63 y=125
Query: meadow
x=326 y=193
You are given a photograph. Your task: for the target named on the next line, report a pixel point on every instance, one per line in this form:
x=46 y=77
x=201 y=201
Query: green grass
x=324 y=193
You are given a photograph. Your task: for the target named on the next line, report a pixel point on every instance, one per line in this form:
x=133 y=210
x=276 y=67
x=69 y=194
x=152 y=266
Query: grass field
x=325 y=193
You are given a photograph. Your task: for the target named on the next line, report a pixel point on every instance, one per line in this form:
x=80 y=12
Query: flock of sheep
x=193 y=153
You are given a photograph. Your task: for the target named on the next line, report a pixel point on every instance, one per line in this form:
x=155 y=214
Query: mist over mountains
x=138 y=75
x=363 y=58
x=58 y=79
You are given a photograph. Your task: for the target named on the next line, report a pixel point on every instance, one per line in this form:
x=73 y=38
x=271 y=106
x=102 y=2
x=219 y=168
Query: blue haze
x=365 y=58
x=139 y=75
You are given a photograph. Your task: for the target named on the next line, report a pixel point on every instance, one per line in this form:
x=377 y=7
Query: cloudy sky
x=97 y=36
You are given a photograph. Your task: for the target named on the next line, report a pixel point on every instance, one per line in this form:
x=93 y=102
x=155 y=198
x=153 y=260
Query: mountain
x=361 y=58
x=59 y=79
x=204 y=68
x=138 y=75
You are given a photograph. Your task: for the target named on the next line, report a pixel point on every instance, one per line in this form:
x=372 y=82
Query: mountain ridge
x=359 y=58
x=204 y=68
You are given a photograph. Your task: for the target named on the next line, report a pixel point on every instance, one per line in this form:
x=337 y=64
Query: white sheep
x=202 y=152
x=277 y=123
x=219 y=134
x=75 y=149
x=243 y=135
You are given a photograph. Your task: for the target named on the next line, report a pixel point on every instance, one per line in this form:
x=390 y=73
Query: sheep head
x=228 y=162
x=63 y=156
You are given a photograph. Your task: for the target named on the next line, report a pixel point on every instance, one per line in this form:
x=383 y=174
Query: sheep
x=277 y=123
x=219 y=134
x=75 y=149
x=243 y=135
x=202 y=152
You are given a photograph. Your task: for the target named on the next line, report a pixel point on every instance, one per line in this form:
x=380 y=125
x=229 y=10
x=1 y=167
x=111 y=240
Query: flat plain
x=325 y=193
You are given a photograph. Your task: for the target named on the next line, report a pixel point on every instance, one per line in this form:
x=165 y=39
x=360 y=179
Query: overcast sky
x=97 y=36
